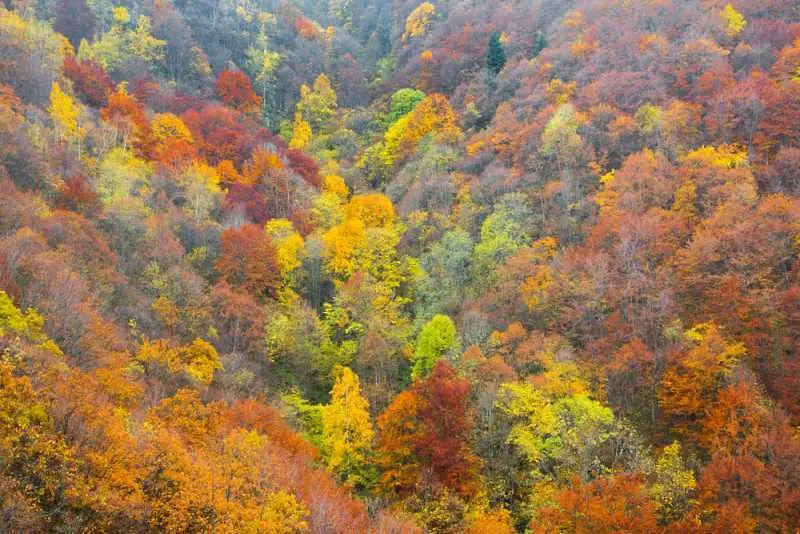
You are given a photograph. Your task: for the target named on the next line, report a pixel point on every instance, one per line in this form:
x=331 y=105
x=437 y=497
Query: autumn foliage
x=247 y=260
x=234 y=89
x=89 y=80
x=399 y=267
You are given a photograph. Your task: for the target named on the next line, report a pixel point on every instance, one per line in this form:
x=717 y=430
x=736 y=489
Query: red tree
x=76 y=194
x=223 y=133
x=89 y=80
x=423 y=435
x=234 y=89
x=247 y=260
x=127 y=115
x=243 y=200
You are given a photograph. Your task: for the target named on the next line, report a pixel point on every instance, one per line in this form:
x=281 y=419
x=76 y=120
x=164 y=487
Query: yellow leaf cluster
x=536 y=285
x=301 y=132
x=418 y=21
x=335 y=184
x=723 y=157
x=346 y=427
x=734 y=21
x=169 y=126
x=199 y=360
x=559 y=92
x=654 y=42
x=607 y=198
x=289 y=245
x=318 y=103
x=121 y=15
x=366 y=240
x=374 y=210
x=690 y=382
x=63 y=110
x=433 y=115
x=341 y=243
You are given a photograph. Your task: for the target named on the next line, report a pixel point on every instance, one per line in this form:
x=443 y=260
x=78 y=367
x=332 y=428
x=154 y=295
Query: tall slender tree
x=495 y=55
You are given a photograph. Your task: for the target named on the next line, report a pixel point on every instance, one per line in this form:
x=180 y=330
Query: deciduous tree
x=248 y=260
x=234 y=89
x=347 y=431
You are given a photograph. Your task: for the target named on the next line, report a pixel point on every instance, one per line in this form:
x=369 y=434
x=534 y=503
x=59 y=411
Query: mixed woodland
x=390 y=266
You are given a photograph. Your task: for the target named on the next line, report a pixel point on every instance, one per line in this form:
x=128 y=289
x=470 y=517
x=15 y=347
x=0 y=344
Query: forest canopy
x=396 y=266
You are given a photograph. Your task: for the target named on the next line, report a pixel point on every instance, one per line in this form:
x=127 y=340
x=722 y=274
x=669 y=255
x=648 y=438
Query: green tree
x=502 y=234
x=446 y=274
x=495 y=55
x=539 y=44
x=403 y=102
x=121 y=174
x=562 y=435
x=261 y=65
x=438 y=338
x=367 y=327
x=293 y=336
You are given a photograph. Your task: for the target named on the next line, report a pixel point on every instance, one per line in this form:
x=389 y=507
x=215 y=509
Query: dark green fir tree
x=538 y=45
x=495 y=56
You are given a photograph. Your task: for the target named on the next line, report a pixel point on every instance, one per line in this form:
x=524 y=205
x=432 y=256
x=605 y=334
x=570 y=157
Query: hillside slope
x=399 y=266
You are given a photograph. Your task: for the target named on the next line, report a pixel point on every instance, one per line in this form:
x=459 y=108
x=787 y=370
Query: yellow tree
x=734 y=21
x=27 y=324
x=64 y=113
x=121 y=173
x=374 y=210
x=201 y=189
x=169 y=126
x=198 y=360
x=288 y=246
x=347 y=430
x=301 y=132
x=432 y=116
x=497 y=521
x=143 y=45
x=283 y=514
x=342 y=243
x=673 y=485
x=172 y=142
x=317 y=104
x=329 y=206
x=366 y=240
x=418 y=21
x=334 y=184
x=63 y=110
